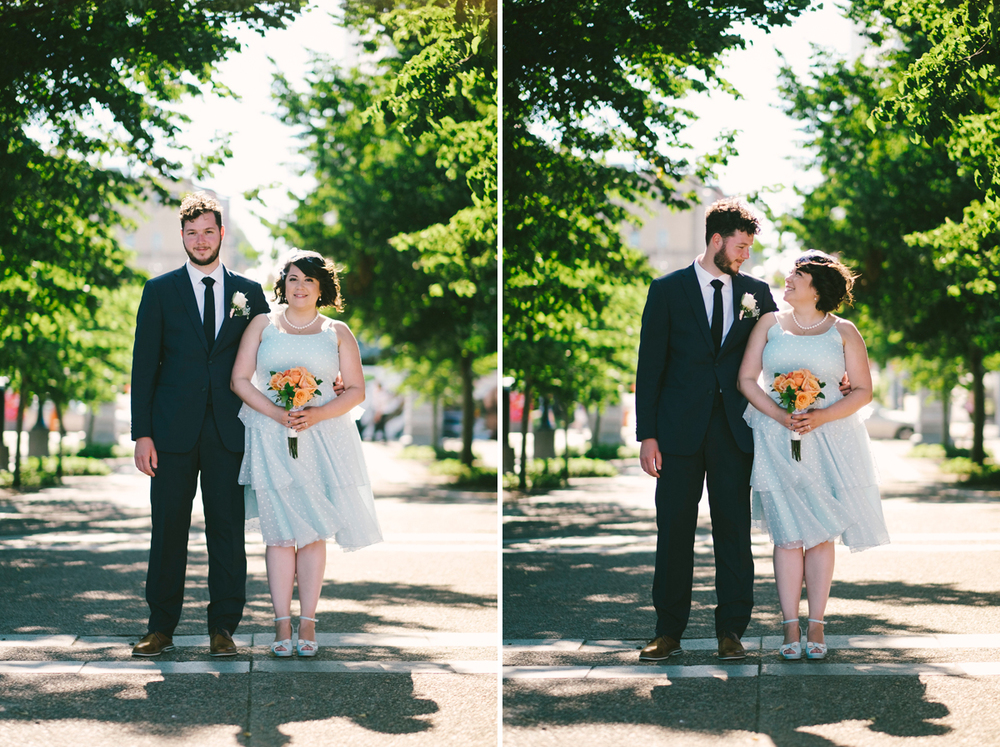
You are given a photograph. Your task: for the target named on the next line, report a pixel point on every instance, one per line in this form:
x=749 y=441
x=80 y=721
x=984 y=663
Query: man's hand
x=650 y=458
x=338 y=386
x=845 y=385
x=145 y=455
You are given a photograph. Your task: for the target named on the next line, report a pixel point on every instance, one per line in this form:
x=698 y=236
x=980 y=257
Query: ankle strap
x=786 y=622
x=311 y=619
x=818 y=622
x=279 y=619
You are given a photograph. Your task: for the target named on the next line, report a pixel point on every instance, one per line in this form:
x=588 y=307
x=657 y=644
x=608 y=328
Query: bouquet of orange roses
x=798 y=390
x=294 y=388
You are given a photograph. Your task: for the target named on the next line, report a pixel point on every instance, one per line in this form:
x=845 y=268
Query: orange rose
x=295 y=374
x=803 y=400
x=811 y=385
x=796 y=378
x=307 y=380
x=301 y=397
x=278 y=381
x=780 y=383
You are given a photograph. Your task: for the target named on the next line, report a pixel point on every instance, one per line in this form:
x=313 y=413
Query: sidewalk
x=407 y=628
x=914 y=628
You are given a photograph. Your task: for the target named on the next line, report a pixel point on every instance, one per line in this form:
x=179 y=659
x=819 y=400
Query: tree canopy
x=593 y=119
x=890 y=200
x=403 y=149
x=85 y=114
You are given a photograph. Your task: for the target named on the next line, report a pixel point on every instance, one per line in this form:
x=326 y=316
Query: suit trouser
x=171 y=496
x=726 y=469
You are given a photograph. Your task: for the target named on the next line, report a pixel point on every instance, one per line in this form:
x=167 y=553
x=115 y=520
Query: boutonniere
x=239 y=306
x=748 y=306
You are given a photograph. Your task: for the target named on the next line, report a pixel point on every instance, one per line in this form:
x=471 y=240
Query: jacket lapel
x=183 y=284
x=741 y=327
x=693 y=291
x=228 y=289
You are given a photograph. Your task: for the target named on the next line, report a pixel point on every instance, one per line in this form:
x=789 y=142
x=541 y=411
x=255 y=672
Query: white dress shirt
x=705 y=279
x=219 y=277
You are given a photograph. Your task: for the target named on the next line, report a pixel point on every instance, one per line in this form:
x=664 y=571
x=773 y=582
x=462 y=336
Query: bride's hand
x=785 y=418
x=305 y=418
x=807 y=421
x=280 y=416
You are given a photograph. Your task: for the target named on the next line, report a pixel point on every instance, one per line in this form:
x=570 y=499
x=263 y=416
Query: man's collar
x=705 y=277
x=196 y=275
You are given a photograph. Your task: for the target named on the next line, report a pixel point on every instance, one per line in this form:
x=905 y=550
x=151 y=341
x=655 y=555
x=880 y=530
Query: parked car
x=885 y=423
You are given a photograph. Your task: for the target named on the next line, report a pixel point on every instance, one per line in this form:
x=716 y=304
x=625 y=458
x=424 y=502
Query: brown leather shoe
x=153 y=644
x=222 y=643
x=730 y=648
x=660 y=648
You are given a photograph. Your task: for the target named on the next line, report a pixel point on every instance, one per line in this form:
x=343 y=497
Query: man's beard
x=208 y=260
x=725 y=264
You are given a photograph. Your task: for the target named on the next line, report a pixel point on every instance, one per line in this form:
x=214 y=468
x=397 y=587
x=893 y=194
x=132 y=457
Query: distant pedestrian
x=185 y=426
x=831 y=489
x=315 y=486
x=689 y=420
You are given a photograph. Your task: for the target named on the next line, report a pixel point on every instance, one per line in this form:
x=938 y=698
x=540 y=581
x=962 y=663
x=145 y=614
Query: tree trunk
x=595 y=436
x=19 y=426
x=522 y=480
x=979 y=405
x=566 y=453
x=946 y=413
x=62 y=435
x=91 y=419
x=468 y=408
x=435 y=430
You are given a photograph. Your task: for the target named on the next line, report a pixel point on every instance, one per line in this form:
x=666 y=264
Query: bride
x=832 y=492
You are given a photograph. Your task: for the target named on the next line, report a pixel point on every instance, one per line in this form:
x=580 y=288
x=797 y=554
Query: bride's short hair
x=316 y=266
x=832 y=279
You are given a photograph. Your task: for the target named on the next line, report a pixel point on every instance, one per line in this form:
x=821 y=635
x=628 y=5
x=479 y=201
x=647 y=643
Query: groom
x=689 y=420
x=185 y=423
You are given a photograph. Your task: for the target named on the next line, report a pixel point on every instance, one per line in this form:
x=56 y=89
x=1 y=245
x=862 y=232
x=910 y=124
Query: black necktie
x=209 y=319
x=717 y=315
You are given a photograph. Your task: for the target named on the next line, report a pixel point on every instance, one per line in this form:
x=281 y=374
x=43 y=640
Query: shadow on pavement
x=793 y=710
x=179 y=707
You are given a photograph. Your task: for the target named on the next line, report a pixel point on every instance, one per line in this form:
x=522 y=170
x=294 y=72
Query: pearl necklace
x=811 y=326
x=284 y=316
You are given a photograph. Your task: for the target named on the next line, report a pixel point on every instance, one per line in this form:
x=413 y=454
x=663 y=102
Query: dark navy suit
x=686 y=398
x=182 y=400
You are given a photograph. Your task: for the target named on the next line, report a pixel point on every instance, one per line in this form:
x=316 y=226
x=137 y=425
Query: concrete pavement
x=407 y=629
x=914 y=627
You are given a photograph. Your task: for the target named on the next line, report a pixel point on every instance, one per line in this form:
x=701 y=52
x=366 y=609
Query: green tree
x=584 y=80
x=405 y=160
x=86 y=90
x=882 y=189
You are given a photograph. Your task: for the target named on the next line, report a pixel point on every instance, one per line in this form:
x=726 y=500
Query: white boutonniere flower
x=748 y=306
x=239 y=306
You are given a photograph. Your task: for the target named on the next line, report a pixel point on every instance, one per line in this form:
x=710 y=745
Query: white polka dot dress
x=833 y=492
x=325 y=493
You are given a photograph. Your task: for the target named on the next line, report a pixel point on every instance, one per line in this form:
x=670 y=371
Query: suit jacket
x=678 y=372
x=173 y=369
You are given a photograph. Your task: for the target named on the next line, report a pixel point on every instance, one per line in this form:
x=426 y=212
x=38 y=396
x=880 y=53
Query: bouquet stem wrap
x=293 y=438
x=797 y=442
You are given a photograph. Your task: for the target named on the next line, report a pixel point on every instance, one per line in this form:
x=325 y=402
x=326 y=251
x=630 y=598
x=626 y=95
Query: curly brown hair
x=832 y=279
x=316 y=266
x=726 y=217
x=197 y=204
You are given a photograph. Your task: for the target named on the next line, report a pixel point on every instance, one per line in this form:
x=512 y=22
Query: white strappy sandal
x=303 y=647
x=815 y=650
x=282 y=649
x=792 y=651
